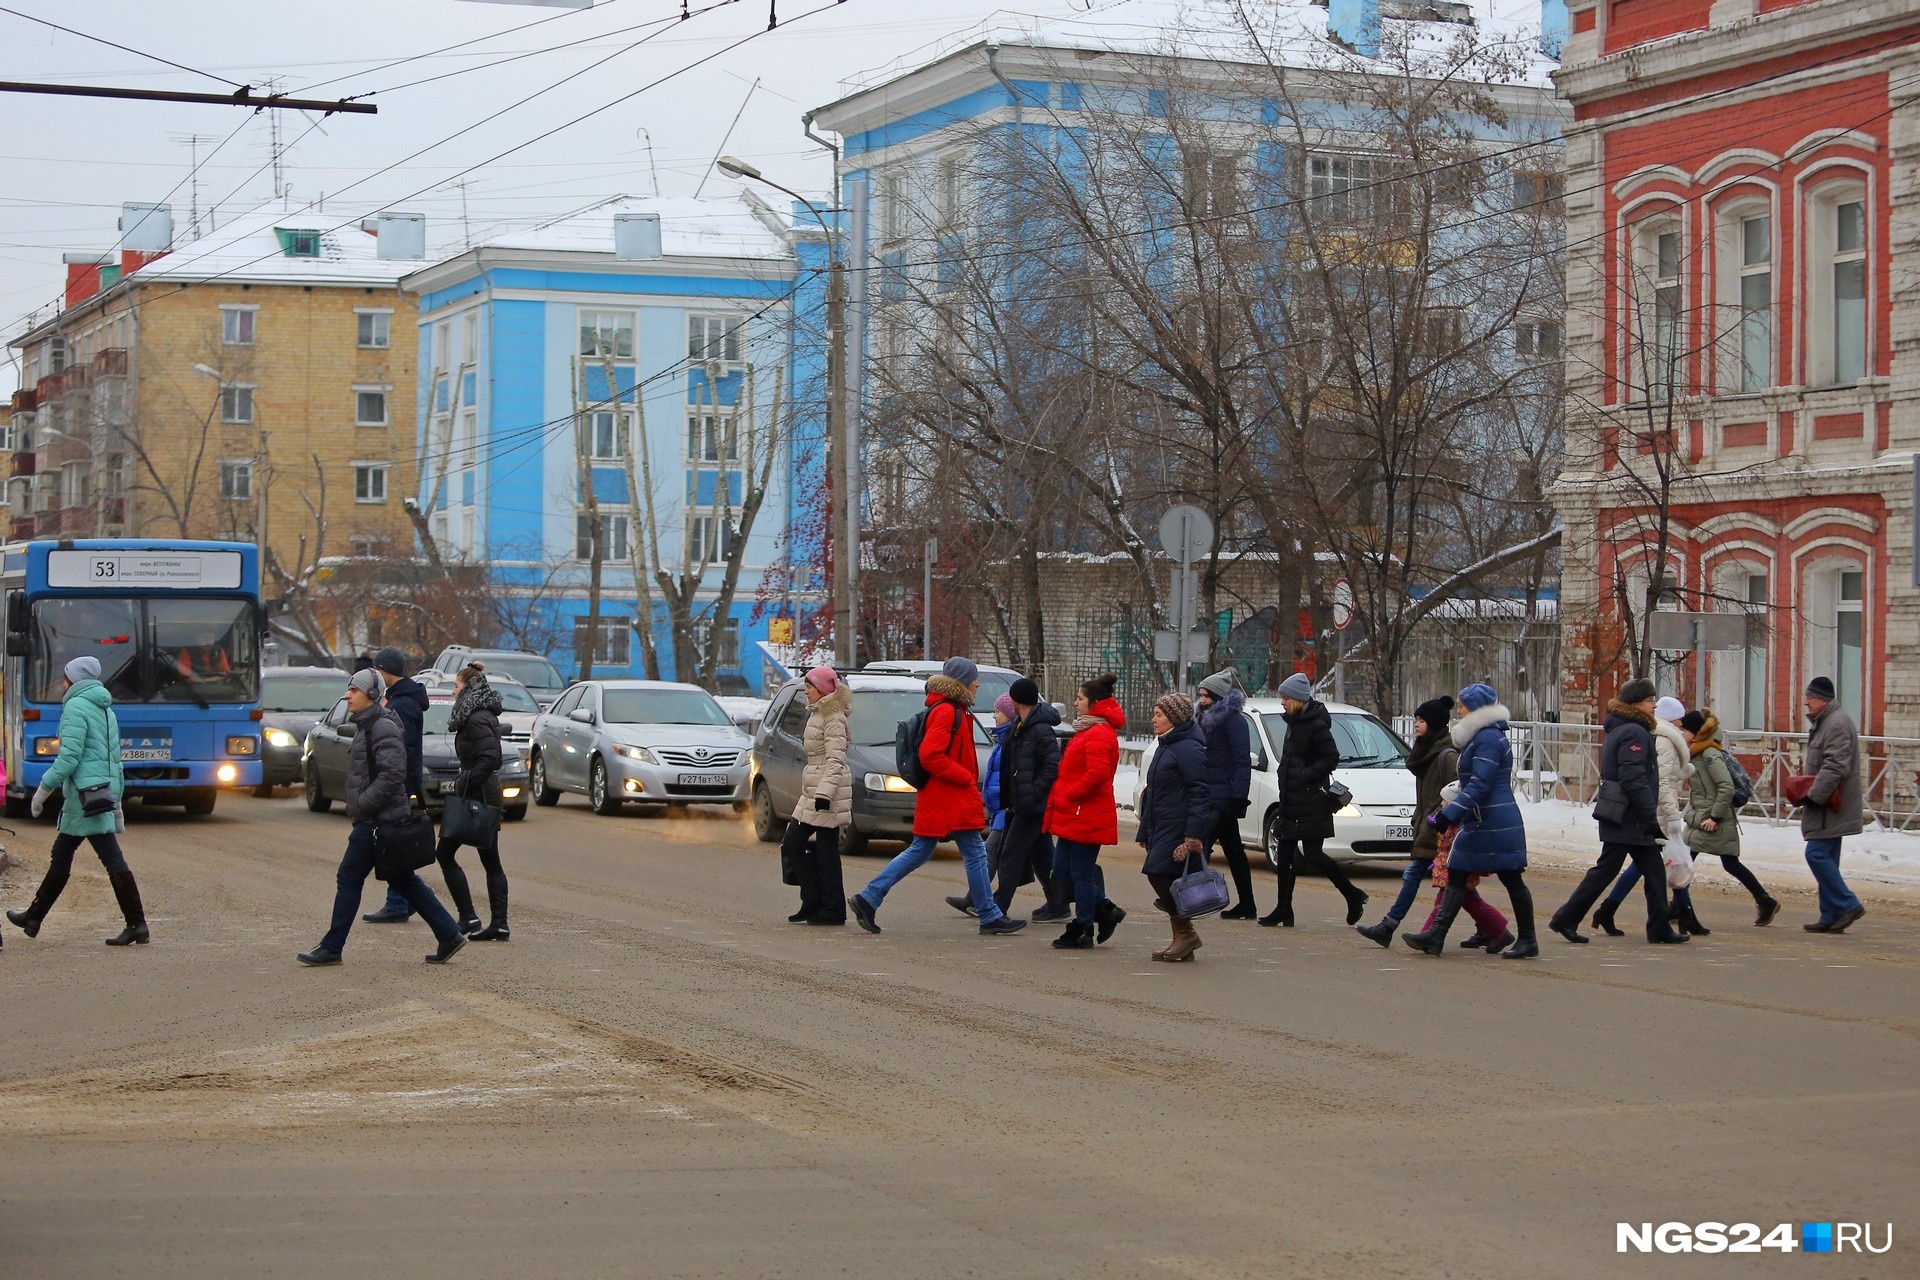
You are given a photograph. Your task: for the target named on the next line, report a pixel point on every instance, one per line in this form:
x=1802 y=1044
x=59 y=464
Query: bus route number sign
x=106 y=570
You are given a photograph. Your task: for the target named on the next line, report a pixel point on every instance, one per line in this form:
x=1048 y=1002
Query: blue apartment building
x=641 y=338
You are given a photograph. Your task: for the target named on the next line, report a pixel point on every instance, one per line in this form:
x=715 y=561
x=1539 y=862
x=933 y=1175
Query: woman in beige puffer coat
x=812 y=843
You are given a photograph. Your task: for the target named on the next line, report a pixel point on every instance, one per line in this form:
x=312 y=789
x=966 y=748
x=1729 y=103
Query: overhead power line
x=112 y=44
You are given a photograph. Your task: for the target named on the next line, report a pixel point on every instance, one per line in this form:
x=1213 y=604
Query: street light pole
x=844 y=516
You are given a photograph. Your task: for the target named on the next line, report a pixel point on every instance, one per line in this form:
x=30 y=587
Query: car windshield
x=661 y=706
x=198 y=649
x=530 y=669
x=316 y=692
x=877 y=713
x=514 y=698
x=1364 y=742
x=992 y=685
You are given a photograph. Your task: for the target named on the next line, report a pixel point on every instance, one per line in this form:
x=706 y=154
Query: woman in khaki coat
x=812 y=844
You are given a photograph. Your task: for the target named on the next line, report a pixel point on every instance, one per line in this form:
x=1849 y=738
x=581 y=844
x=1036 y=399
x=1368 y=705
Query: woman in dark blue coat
x=1176 y=815
x=1492 y=838
x=1229 y=778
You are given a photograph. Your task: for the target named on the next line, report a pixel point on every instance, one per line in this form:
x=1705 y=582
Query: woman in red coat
x=1081 y=816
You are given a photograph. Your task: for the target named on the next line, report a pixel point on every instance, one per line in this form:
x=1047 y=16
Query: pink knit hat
x=1004 y=705
x=825 y=679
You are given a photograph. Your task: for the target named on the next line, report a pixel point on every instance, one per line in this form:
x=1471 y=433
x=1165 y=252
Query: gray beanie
x=84 y=667
x=1221 y=683
x=1297 y=686
x=366 y=682
x=961 y=669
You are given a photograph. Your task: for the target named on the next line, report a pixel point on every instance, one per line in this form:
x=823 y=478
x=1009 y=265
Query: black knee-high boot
x=127 y=894
x=1282 y=913
x=44 y=897
x=1433 y=940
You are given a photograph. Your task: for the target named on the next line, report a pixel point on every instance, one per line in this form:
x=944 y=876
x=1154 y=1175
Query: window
x=729 y=640
x=6 y=432
x=1442 y=332
x=613 y=648
x=236 y=480
x=613 y=536
x=1850 y=292
x=1849 y=627
x=608 y=433
x=893 y=207
x=470 y=338
x=714 y=337
x=1753 y=659
x=74 y=485
x=236 y=326
x=1211 y=184
x=709 y=538
x=298 y=244
x=1537 y=339
x=1756 y=304
x=374 y=328
x=607 y=333
x=367 y=546
x=369 y=408
x=711 y=437
x=949 y=191
x=236 y=402
x=1660 y=349
x=370 y=481
x=1538 y=192
x=1338 y=187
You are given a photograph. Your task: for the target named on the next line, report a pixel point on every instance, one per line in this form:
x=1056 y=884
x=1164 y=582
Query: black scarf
x=1426 y=750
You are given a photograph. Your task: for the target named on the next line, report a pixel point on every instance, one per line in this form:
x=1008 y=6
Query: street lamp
x=841 y=435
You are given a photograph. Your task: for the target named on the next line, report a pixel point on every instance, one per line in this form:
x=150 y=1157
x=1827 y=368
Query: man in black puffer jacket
x=1029 y=763
x=1626 y=759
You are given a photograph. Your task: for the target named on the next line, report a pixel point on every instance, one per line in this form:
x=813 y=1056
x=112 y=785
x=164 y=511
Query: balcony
x=25 y=400
x=22 y=528
x=26 y=463
x=110 y=363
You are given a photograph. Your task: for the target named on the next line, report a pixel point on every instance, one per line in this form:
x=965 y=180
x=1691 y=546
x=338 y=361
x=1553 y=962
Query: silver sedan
x=638 y=741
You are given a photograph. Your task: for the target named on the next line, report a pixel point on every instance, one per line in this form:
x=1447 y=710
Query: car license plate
x=1399 y=833
x=146 y=746
x=705 y=780
x=448 y=788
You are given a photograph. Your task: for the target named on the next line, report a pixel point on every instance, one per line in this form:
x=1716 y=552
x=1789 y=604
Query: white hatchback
x=1377 y=826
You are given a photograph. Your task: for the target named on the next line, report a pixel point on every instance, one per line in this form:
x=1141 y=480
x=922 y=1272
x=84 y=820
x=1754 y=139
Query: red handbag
x=1798 y=785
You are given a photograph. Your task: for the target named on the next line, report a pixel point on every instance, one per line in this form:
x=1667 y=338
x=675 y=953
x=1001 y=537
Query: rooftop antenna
x=642 y=134
x=466 y=227
x=192 y=142
x=728 y=138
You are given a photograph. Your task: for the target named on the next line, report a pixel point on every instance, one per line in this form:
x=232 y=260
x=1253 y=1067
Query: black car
x=292 y=701
x=325 y=768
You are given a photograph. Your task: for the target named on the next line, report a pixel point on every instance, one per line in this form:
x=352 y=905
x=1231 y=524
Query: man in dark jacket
x=407 y=699
x=1627 y=760
x=1229 y=778
x=1029 y=762
x=1835 y=805
x=377 y=795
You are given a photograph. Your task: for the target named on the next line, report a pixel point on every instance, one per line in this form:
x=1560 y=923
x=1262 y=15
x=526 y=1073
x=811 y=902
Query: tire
x=263 y=791
x=516 y=814
x=15 y=807
x=199 y=803
x=543 y=795
x=1270 y=841
x=599 y=794
x=853 y=844
x=767 y=825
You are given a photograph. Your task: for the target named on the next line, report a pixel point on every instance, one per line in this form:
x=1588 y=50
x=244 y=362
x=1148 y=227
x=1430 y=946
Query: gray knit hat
x=961 y=669
x=1297 y=686
x=366 y=682
x=1221 y=683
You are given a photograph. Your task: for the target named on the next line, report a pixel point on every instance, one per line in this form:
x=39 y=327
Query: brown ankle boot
x=1185 y=942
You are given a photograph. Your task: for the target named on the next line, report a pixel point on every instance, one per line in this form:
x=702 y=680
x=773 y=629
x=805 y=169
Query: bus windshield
x=195 y=649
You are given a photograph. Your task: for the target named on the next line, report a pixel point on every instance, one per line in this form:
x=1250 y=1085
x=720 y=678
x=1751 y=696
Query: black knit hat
x=1693 y=721
x=1820 y=687
x=1025 y=692
x=1435 y=712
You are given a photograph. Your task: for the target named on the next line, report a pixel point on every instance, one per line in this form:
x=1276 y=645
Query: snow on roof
x=688 y=228
x=1294 y=30
x=250 y=247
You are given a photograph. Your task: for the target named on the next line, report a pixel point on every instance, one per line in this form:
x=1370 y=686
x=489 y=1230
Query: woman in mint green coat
x=89 y=758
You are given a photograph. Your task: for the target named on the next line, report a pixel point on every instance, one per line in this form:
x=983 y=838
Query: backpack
x=906 y=745
x=1742 y=783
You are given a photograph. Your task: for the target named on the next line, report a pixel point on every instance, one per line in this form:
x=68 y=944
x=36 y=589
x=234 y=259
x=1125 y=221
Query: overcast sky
x=71 y=162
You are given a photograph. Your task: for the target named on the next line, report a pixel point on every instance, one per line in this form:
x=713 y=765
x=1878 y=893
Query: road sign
x=1342 y=603
x=1681 y=632
x=1186 y=533
x=1167 y=647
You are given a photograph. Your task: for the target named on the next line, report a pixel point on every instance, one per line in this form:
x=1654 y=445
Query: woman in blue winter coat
x=1176 y=814
x=87 y=769
x=1492 y=839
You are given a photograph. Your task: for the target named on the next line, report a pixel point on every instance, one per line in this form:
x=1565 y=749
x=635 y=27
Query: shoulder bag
x=1200 y=892
x=402 y=847
x=470 y=821
x=1610 y=803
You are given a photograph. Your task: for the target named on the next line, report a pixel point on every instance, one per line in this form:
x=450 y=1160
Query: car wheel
x=263 y=791
x=1272 y=844
x=317 y=801
x=200 y=802
x=604 y=801
x=853 y=844
x=543 y=795
x=766 y=823
x=516 y=814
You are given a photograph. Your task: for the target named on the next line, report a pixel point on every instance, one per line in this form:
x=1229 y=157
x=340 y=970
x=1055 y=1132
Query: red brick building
x=1743 y=348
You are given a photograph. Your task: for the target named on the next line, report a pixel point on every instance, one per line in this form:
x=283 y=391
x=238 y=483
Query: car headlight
x=509 y=793
x=246 y=746
x=226 y=772
x=46 y=746
x=641 y=754
x=889 y=782
x=278 y=738
x=1350 y=811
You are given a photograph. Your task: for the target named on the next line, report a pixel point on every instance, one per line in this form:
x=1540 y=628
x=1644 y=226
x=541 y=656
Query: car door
x=549 y=736
x=785 y=759
x=331 y=749
x=1263 y=792
x=564 y=763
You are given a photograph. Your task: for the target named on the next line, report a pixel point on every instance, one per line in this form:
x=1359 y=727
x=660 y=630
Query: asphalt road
x=658 y=1076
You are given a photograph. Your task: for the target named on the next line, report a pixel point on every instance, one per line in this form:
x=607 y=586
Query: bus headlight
x=243 y=746
x=280 y=738
x=226 y=773
x=46 y=746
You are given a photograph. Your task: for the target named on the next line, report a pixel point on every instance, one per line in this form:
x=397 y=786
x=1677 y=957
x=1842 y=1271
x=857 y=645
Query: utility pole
x=583 y=454
x=846 y=504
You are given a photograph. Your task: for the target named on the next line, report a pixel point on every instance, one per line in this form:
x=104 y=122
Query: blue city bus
x=176 y=626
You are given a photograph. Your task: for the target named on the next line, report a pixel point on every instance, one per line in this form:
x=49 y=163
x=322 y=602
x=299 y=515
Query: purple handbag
x=1201 y=892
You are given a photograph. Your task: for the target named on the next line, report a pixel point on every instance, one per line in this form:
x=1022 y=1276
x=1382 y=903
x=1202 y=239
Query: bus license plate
x=704 y=780
x=146 y=747
x=1399 y=833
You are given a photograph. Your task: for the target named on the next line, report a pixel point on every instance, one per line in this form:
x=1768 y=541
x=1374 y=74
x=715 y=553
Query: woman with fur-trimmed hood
x=1673 y=751
x=812 y=843
x=1492 y=837
x=1218 y=707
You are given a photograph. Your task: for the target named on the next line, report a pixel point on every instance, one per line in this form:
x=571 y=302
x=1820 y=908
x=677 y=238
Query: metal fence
x=1562 y=762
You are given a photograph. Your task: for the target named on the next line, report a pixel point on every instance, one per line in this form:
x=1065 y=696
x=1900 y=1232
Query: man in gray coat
x=1834 y=806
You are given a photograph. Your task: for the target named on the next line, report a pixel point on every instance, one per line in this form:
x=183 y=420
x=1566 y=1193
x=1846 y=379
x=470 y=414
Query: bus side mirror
x=16 y=644
x=17 y=613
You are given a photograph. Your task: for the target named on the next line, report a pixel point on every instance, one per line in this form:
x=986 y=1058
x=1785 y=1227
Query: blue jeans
x=1080 y=863
x=1823 y=859
x=1623 y=887
x=355 y=866
x=397 y=902
x=1416 y=874
x=973 y=851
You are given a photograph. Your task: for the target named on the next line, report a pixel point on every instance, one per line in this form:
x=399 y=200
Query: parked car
x=292 y=701
x=639 y=741
x=882 y=800
x=994 y=681
x=746 y=713
x=541 y=678
x=1377 y=825
x=324 y=766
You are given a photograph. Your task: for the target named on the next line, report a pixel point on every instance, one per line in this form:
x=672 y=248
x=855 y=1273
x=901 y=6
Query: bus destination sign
x=143 y=570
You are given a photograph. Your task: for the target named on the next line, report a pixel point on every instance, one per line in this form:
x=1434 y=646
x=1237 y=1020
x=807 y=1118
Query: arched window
x=1838 y=273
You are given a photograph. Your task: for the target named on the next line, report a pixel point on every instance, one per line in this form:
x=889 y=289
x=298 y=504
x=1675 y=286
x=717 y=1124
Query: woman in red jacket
x=1080 y=812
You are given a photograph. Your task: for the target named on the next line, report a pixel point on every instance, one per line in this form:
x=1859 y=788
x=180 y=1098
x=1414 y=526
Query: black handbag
x=470 y=821
x=95 y=801
x=1610 y=803
x=403 y=847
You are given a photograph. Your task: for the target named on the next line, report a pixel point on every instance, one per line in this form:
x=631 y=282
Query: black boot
x=1107 y=917
x=496 y=930
x=1690 y=922
x=1433 y=940
x=1078 y=937
x=127 y=894
x=1381 y=933
x=44 y=897
x=1603 y=920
